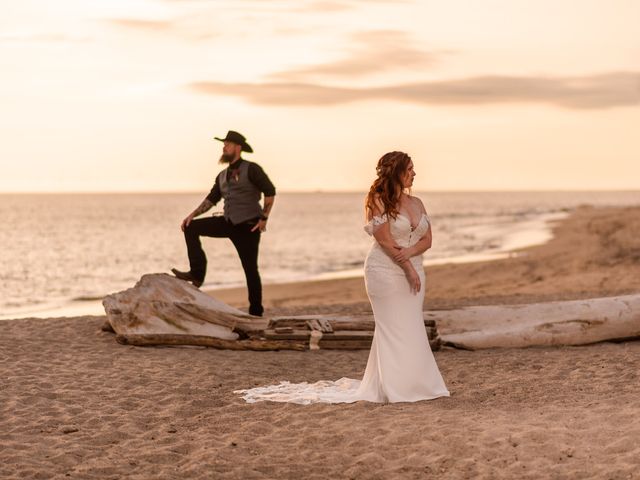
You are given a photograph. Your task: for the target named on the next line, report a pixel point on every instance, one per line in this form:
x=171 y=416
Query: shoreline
x=527 y=234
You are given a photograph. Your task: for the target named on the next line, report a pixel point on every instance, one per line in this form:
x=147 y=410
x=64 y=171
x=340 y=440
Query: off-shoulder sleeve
x=375 y=223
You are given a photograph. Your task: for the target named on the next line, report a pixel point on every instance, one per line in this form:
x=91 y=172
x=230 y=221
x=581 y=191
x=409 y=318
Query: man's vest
x=241 y=197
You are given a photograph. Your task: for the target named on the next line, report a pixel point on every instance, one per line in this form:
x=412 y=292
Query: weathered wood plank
x=305 y=334
x=345 y=345
x=204 y=341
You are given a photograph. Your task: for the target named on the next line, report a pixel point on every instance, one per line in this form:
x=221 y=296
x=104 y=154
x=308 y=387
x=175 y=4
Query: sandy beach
x=75 y=404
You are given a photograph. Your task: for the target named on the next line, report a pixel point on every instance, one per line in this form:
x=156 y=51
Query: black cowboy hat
x=238 y=139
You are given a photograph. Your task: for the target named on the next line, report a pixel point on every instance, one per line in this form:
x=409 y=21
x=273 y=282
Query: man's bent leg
x=203 y=227
x=247 y=243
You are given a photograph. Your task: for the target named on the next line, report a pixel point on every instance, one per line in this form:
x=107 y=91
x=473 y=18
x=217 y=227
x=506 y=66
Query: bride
x=401 y=366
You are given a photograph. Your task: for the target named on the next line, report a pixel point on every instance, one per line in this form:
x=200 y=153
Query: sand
x=75 y=404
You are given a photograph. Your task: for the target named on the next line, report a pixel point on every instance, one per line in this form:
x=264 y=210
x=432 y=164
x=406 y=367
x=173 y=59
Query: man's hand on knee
x=186 y=222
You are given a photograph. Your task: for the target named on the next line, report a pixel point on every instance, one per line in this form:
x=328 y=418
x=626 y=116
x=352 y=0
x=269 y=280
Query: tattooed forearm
x=204 y=206
x=268 y=205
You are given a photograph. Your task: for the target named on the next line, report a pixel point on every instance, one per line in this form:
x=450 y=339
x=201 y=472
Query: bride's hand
x=414 y=280
x=401 y=255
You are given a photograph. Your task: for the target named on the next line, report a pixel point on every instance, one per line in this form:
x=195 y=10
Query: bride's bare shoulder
x=417 y=203
x=376 y=209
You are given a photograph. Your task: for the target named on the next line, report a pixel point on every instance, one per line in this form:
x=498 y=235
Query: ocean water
x=60 y=249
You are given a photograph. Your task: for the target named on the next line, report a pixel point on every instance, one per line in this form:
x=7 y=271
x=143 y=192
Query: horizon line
x=312 y=191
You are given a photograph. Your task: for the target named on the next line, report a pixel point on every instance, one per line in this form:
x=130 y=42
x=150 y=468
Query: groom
x=241 y=185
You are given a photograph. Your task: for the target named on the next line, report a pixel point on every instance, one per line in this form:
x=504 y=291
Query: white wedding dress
x=401 y=366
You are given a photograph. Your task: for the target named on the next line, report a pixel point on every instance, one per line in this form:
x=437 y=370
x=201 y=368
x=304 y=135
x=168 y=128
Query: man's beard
x=226 y=158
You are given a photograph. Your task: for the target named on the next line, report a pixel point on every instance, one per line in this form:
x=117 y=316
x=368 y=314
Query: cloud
x=141 y=24
x=281 y=93
x=42 y=38
x=184 y=27
x=373 y=51
x=338 y=5
x=328 y=6
x=588 y=92
x=301 y=5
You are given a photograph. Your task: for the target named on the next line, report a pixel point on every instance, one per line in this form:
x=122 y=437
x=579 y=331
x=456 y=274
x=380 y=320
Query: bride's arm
x=382 y=232
x=424 y=243
x=412 y=276
x=419 y=248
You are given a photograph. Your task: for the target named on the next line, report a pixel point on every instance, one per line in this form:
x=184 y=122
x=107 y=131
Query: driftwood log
x=162 y=304
x=575 y=322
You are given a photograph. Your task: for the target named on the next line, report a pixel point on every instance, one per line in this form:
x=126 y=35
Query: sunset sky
x=126 y=95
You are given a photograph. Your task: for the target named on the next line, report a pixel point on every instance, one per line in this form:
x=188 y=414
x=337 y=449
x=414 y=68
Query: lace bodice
x=403 y=233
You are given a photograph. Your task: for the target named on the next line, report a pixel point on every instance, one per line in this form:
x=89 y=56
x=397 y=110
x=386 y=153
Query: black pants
x=246 y=243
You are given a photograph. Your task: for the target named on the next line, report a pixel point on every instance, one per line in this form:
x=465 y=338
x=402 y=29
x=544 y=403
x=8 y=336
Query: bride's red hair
x=387 y=187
